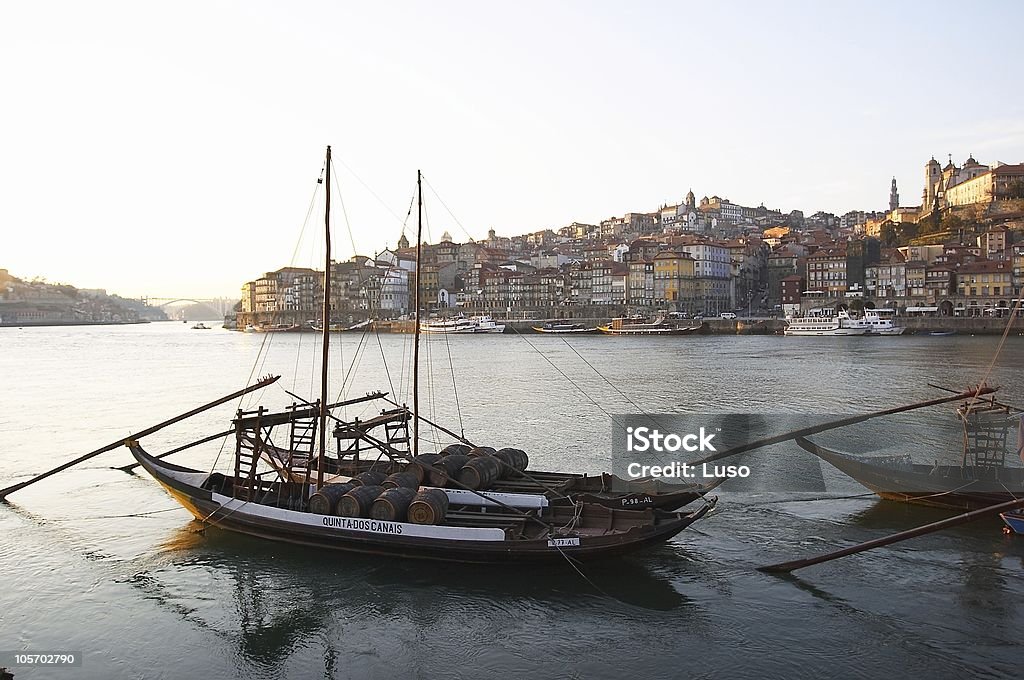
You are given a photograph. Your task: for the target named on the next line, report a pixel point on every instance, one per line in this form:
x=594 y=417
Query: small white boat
x=461 y=324
x=880 y=323
x=249 y=328
x=840 y=324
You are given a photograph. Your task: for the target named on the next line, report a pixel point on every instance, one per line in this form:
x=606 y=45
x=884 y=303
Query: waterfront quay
x=719 y=326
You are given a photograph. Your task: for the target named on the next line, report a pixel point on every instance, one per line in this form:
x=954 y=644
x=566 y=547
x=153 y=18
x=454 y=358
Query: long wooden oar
x=204 y=440
x=993 y=401
x=269 y=380
x=852 y=420
x=785 y=567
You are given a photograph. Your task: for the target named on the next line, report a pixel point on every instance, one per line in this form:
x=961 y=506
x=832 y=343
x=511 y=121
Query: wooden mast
x=326 y=326
x=416 y=328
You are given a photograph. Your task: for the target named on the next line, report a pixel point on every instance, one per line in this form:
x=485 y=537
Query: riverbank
x=754 y=326
x=45 y=324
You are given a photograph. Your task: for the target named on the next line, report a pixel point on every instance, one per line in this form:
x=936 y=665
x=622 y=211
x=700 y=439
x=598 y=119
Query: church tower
x=691 y=201
x=403 y=242
x=894 y=196
x=932 y=176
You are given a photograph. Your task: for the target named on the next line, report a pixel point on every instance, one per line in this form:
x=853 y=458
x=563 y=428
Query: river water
x=151 y=596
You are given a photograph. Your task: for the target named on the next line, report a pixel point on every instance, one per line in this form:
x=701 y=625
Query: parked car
x=728 y=315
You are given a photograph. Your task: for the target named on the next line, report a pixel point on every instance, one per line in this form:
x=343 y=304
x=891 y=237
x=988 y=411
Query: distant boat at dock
x=200 y=326
x=462 y=325
x=670 y=324
x=565 y=328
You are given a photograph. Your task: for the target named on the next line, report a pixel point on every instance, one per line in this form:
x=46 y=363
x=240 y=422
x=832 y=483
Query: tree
x=889 y=235
x=951 y=222
x=1015 y=189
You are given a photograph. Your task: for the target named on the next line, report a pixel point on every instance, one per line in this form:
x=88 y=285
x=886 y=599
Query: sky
x=172 y=149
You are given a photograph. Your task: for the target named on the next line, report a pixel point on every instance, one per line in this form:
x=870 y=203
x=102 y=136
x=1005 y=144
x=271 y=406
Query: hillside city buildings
x=697 y=257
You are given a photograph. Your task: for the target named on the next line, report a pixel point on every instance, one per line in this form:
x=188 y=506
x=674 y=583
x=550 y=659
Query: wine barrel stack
x=477 y=468
x=325 y=501
x=393 y=504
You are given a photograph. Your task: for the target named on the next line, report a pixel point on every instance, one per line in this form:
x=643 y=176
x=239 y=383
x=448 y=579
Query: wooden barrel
x=428 y=507
x=407 y=479
x=391 y=506
x=357 y=502
x=422 y=464
x=447 y=469
x=369 y=478
x=480 y=472
x=514 y=458
x=456 y=450
x=324 y=501
x=481 y=451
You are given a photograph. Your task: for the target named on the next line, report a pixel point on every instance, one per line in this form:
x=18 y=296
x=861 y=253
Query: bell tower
x=894 y=196
x=932 y=175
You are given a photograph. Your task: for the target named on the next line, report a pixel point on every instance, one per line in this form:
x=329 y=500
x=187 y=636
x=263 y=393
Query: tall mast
x=416 y=329
x=326 y=326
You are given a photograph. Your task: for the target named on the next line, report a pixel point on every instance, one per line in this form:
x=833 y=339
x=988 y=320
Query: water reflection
x=274 y=601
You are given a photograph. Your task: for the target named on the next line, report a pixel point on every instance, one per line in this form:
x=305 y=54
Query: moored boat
x=661 y=325
x=881 y=323
x=840 y=324
x=565 y=327
x=1014 y=521
x=272 y=510
x=462 y=325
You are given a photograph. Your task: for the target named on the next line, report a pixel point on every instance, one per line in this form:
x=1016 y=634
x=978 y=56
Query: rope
x=455 y=388
x=344 y=212
x=445 y=205
x=999 y=348
x=570 y=380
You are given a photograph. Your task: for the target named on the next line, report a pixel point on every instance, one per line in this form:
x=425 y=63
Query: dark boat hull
x=397 y=539
x=951 y=487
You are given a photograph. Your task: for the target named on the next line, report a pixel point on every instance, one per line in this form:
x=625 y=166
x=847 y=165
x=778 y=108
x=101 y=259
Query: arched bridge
x=218 y=306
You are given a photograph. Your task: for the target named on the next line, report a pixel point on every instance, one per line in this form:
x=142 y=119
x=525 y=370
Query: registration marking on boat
x=562 y=542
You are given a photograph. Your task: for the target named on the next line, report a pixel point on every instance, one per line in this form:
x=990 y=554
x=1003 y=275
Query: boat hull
x=559 y=331
x=942 y=486
x=1014 y=521
x=648 y=331
x=399 y=539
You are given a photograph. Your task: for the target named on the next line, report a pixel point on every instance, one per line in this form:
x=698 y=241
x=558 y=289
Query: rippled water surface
x=151 y=595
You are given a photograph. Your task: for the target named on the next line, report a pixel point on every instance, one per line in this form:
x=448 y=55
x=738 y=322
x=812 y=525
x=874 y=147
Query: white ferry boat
x=880 y=322
x=840 y=324
x=461 y=324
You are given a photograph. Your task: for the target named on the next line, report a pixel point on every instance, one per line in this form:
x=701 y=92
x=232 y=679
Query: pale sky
x=172 y=149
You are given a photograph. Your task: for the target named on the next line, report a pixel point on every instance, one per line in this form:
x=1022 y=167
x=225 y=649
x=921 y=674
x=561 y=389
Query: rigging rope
x=999 y=348
x=455 y=388
x=445 y=205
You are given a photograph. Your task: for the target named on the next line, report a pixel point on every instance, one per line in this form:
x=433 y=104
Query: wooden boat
x=470 y=534
x=952 y=487
x=981 y=479
x=661 y=325
x=565 y=328
x=560 y=488
x=297 y=501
